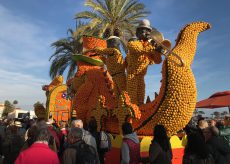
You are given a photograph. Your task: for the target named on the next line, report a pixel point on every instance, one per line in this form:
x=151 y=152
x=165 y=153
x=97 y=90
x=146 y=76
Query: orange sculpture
x=93 y=88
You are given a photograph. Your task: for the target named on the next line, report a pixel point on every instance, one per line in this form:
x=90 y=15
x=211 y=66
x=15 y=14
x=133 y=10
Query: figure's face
x=113 y=43
x=143 y=33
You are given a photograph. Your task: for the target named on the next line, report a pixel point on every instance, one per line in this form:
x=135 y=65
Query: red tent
x=217 y=100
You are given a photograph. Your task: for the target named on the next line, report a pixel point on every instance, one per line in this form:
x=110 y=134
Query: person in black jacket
x=196 y=151
x=160 y=150
x=78 y=152
x=218 y=146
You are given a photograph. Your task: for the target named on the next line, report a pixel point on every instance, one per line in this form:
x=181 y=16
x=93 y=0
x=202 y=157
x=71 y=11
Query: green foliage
x=38 y=104
x=64 y=49
x=117 y=16
x=15 y=102
x=201 y=112
x=224 y=113
x=122 y=15
x=8 y=108
x=216 y=114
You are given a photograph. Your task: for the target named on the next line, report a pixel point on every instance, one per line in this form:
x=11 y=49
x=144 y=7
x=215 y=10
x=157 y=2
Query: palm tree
x=8 y=108
x=224 y=113
x=195 y=112
x=216 y=114
x=64 y=49
x=61 y=59
x=201 y=112
x=15 y=102
x=109 y=17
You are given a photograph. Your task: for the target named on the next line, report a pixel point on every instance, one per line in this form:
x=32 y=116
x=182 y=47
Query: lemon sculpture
x=174 y=105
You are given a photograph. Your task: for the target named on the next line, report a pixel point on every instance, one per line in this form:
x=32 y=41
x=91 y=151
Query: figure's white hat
x=145 y=23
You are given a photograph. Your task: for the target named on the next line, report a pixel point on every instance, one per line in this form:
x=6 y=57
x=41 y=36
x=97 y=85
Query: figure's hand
x=98 y=50
x=153 y=42
x=160 y=49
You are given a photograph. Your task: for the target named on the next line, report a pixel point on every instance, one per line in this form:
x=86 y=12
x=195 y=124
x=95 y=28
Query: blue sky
x=28 y=27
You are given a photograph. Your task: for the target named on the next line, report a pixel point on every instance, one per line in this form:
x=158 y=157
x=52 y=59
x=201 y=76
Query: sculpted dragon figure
x=173 y=107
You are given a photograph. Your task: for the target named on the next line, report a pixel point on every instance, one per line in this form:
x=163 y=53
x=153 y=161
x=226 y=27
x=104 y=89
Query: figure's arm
x=138 y=47
x=108 y=51
x=155 y=57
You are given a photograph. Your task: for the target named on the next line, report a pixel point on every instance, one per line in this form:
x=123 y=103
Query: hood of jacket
x=133 y=137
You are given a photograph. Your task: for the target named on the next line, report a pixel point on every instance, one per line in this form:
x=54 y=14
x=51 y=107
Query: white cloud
x=23 y=44
x=22 y=87
x=25 y=50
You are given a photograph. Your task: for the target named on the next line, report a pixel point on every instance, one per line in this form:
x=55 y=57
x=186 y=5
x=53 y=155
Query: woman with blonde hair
x=203 y=124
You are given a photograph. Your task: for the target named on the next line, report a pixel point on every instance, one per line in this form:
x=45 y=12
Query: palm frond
x=121 y=14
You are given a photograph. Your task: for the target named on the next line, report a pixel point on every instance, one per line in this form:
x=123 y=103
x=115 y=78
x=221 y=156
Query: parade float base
x=113 y=156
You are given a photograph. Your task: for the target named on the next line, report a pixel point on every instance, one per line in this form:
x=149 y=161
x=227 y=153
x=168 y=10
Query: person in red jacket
x=39 y=152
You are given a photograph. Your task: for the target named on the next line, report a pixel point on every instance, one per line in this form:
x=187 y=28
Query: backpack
x=105 y=141
x=85 y=154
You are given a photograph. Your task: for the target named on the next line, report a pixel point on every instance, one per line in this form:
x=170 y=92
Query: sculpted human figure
x=141 y=53
x=91 y=80
x=115 y=64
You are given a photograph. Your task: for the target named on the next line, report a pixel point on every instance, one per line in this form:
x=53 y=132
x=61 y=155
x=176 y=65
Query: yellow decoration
x=57 y=106
x=116 y=142
x=176 y=142
x=145 y=143
x=58 y=80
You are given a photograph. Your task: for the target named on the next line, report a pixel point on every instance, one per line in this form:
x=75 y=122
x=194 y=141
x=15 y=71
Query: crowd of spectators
x=37 y=141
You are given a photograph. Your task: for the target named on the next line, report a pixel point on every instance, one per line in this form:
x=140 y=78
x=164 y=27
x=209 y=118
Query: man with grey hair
x=87 y=137
x=78 y=151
